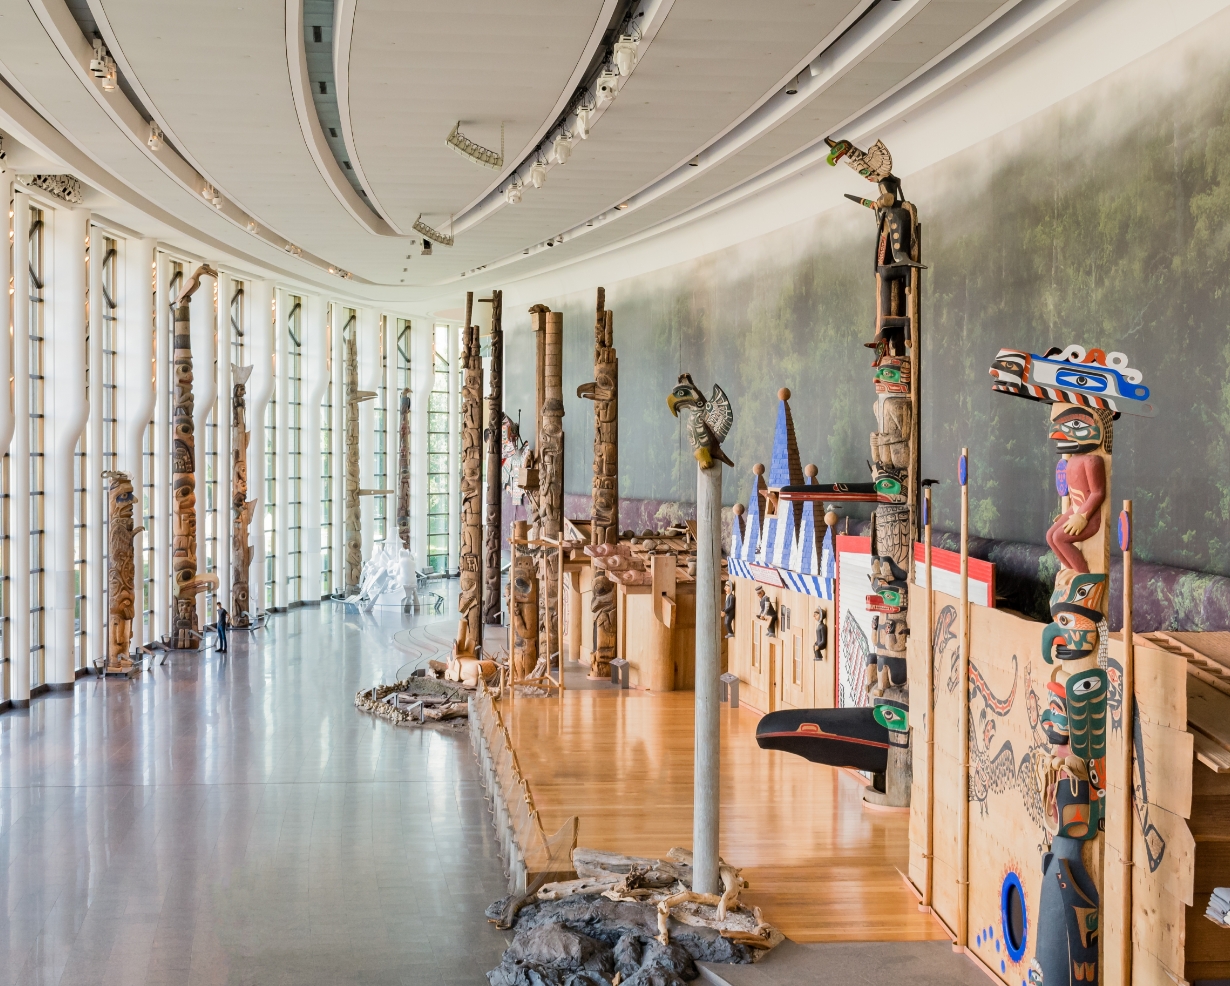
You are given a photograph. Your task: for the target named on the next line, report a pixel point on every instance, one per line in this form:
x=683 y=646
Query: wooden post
x=551 y=477
x=121 y=571
x=929 y=857
x=492 y=612
x=241 y=546
x=523 y=615
x=705 y=818
x=1125 y=767
x=470 y=601
x=962 y=928
x=353 y=570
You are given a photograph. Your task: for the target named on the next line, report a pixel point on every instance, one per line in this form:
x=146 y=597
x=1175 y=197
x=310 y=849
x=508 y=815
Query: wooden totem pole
x=492 y=614
x=1087 y=390
x=241 y=547
x=604 y=392
x=187 y=584
x=551 y=474
x=403 y=469
x=894 y=451
x=121 y=572
x=523 y=607
x=353 y=518
x=470 y=601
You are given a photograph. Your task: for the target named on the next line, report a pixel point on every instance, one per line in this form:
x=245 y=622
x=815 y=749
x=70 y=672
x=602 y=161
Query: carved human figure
x=822 y=635
x=241 y=549
x=1079 y=434
x=767 y=612
x=728 y=610
x=121 y=575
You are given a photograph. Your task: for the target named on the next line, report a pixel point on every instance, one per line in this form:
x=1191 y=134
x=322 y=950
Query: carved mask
x=1076 y=609
x=1076 y=430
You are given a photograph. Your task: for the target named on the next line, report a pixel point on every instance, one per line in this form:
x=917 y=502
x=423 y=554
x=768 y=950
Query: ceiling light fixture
x=607 y=88
x=155 y=136
x=561 y=148
x=425 y=249
x=622 y=206
x=444 y=239
x=538 y=173
x=110 y=79
x=695 y=162
x=476 y=152
x=624 y=53
x=253 y=226
x=211 y=195
x=583 y=117
x=293 y=250
x=514 y=190
x=793 y=88
x=98 y=63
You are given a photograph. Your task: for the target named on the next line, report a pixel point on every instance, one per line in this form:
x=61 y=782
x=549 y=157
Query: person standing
x=222 y=624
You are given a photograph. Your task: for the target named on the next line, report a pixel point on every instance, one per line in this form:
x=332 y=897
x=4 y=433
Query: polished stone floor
x=232 y=819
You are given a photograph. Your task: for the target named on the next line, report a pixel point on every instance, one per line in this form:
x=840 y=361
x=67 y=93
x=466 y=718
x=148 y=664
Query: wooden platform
x=821 y=866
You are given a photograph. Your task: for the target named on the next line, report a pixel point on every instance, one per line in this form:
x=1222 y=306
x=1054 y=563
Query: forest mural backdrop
x=1104 y=221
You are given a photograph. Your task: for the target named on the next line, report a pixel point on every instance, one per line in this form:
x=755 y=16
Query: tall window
x=381 y=421
x=326 y=464
x=292 y=488
x=37 y=655
x=94 y=253
x=438 y=438
x=109 y=323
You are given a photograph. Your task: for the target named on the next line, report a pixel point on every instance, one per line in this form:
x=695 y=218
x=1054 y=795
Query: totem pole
x=403 y=469
x=551 y=477
x=470 y=601
x=187 y=584
x=121 y=571
x=353 y=518
x=1087 y=390
x=492 y=613
x=894 y=449
x=604 y=392
x=709 y=422
x=523 y=607
x=241 y=549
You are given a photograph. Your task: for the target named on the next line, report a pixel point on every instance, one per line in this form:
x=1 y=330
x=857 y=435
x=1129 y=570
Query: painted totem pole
x=492 y=613
x=403 y=469
x=551 y=476
x=523 y=606
x=186 y=583
x=604 y=392
x=1087 y=390
x=470 y=602
x=241 y=548
x=353 y=517
x=894 y=448
x=121 y=571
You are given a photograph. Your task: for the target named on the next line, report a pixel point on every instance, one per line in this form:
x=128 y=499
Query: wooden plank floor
x=821 y=867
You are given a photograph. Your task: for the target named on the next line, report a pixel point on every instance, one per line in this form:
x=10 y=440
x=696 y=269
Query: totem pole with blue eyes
x=1087 y=390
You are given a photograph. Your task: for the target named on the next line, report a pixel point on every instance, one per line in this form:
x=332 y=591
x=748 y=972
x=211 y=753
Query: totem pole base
x=123 y=668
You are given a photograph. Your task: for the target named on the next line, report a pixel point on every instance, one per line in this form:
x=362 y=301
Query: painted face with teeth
x=1075 y=430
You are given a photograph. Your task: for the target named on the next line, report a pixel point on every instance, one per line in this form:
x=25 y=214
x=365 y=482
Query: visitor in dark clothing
x=223 y=623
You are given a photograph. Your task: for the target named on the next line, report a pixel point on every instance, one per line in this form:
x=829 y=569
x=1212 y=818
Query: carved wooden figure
x=121 y=570
x=403 y=469
x=551 y=478
x=353 y=514
x=187 y=584
x=492 y=614
x=523 y=608
x=241 y=548
x=604 y=392
x=470 y=600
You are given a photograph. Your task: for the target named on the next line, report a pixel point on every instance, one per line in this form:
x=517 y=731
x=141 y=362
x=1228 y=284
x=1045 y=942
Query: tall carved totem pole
x=353 y=518
x=186 y=583
x=551 y=475
x=471 y=597
x=241 y=547
x=492 y=612
x=121 y=571
x=403 y=469
x=894 y=448
x=1086 y=391
x=604 y=392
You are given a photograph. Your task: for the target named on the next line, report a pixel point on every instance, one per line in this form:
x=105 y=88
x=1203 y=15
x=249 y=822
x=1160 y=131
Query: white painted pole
x=422 y=375
x=19 y=479
x=707 y=781
x=260 y=389
x=160 y=443
x=315 y=380
x=222 y=416
x=93 y=620
x=281 y=451
x=337 y=537
x=134 y=377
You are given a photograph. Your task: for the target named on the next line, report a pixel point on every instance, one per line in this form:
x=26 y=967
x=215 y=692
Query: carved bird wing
x=719 y=415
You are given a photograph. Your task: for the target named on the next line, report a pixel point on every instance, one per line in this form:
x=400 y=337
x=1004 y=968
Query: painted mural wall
x=1104 y=221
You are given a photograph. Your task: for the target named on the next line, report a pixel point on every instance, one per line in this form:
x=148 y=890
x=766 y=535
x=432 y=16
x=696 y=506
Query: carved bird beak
x=673 y=403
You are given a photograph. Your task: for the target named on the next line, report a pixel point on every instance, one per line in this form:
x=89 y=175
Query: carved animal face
x=685 y=394
x=1076 y=430
x=1011 y=367
x=1076 y=611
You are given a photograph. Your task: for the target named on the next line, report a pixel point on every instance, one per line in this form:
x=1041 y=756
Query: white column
x=134 y=379
x=160 y=495
x=338 y=383
x=454 y=451
x=369 y=379
x=93 y=618
x=260 y=389
x=6 y=397
x=222 y=415
x=315 y=381
x=19 y=554
x=422 y=375
x=66 y=408
x=281 y=444
x=204 y=393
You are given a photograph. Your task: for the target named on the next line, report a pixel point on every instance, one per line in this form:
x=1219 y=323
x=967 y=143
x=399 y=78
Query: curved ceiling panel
x=220 y=78
x=415 y=70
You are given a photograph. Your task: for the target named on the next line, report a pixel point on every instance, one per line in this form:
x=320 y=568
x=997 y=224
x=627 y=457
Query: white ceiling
x=219 y=76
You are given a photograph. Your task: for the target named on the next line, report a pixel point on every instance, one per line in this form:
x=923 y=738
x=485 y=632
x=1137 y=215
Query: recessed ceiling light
x=622 y=206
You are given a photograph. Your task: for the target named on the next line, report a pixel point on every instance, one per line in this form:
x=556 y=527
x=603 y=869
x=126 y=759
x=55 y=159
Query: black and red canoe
x=840 y=737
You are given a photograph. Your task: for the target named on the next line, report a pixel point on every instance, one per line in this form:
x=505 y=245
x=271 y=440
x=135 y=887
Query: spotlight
x=583 y=115
x=695 y=162
x=538 y=174
x=514 y=190
x=793 y=88
x=155 y=136
x=98 y=63
x=253 y=227
x=109 y=80
x=562 y=148
x=622 y=206
x=624 y=54
x=425 y=249
x=608 y=88
x=293 y=250
x=550 y=243
x=211 y=195
x=444 y=239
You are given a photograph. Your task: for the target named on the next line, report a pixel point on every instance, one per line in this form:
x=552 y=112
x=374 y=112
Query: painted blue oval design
x=1093 y=382
x=1125 y=531
x=1013 y=890
x=962 y=470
